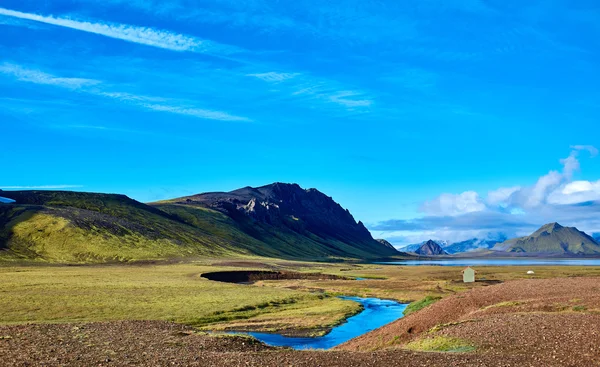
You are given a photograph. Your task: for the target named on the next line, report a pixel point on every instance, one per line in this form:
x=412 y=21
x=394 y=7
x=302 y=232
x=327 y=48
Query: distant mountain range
x=552 y=239
x=278 y=220
x=462 y=246
x=475 y=244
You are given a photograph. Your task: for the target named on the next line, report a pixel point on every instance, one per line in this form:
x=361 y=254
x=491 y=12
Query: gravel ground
x=546 y=296
x=143 y=343
x=539 y=327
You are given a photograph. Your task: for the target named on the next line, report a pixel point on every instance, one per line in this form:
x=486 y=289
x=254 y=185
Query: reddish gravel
x=140 y=343
x=535 y=320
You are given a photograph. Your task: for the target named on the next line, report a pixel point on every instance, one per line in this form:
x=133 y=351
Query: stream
x=377 y=313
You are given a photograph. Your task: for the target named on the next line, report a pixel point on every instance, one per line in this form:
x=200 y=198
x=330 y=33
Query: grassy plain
x=176 y=292
x=173 y=292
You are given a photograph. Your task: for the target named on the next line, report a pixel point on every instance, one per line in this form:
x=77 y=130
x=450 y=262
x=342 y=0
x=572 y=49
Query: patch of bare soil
x=146 y=343
x=534 y=320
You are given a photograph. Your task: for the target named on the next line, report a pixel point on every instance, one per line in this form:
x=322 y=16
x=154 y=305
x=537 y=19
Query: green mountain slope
x=85 y=227
x=60 y=226
x=552 y=239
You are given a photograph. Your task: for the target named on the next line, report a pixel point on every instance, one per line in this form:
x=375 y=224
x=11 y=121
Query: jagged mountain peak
x=288 y=206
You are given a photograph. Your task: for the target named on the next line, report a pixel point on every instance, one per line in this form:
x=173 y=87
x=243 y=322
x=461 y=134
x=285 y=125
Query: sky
x=425 y=118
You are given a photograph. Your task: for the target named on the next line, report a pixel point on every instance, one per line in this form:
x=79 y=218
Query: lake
x=377 y=313
x=498 y=262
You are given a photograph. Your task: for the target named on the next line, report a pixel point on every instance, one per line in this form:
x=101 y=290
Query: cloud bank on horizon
x=507 y=211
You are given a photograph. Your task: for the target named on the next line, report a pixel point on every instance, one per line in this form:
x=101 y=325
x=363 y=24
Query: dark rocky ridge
x=307 y=212
x=283 y=204
x=431 y=248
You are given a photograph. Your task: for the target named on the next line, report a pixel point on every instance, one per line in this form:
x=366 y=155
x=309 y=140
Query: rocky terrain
x=538 y=321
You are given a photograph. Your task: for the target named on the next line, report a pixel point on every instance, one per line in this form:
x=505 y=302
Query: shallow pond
x=498 y=262
x=377 y=312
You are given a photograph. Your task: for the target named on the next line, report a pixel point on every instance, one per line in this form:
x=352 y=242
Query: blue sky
x=409 y=113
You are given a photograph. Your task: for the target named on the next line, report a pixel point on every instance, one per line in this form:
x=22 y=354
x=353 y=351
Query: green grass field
x=163 y=292
x=176 y=292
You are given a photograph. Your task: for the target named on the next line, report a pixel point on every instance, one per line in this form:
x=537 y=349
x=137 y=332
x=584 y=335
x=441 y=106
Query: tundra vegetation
x=176 y=292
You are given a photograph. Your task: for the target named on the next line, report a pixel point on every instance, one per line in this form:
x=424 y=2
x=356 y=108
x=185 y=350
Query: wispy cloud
x=590 y=148
x=92 y=87
x=274 y=76
x=350 y=99
x=39 y=77
x=41 y=187
x=141 y=35
x=196 y=112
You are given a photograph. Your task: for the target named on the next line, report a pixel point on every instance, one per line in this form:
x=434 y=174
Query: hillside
x=430 y=248
x=386 y=243
x=62 y=226
x=552 y=239
x=286 y=217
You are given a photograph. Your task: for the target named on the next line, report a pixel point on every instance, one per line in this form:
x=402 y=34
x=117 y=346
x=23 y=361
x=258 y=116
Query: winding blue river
x=377 y=312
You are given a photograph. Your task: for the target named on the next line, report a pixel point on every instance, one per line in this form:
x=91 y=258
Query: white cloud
x=537 y=194
x=141 y=35
x=451 y=204
x=501 y=196
x=274 y=77
x=39 y=77
x=576 y=192
x=511 y=210
x=570 y=165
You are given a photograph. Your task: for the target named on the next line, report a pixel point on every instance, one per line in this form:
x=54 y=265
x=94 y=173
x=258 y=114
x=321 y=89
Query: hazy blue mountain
x=476 y=243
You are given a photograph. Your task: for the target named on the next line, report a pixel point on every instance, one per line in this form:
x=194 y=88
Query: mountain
x=289 y=218
x=385 y=243
x=552 y=239
x=475 y=244
x=279 y=220
x=430 y=248
x=596 y=236
x=415 y=246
